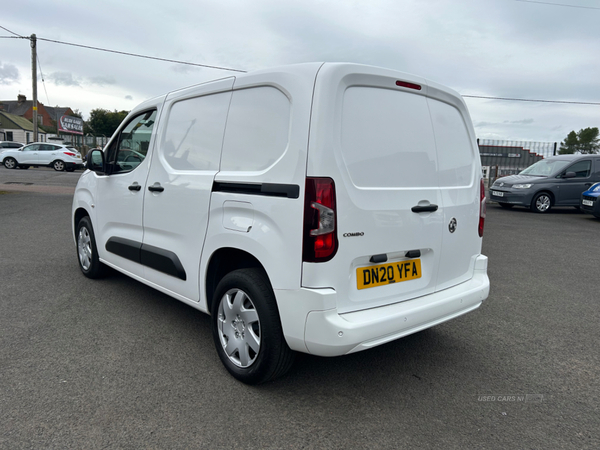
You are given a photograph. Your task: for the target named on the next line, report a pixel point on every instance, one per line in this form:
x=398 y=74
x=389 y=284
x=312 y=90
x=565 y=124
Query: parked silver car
x=58 y=156
x=555 y=181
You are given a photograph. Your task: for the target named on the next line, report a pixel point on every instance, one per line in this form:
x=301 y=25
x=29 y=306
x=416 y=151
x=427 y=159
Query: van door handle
x=135 y=187
x=156 y=187
x=424 y=208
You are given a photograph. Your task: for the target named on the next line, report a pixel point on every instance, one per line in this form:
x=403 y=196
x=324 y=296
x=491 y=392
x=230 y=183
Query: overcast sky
x=495 y=48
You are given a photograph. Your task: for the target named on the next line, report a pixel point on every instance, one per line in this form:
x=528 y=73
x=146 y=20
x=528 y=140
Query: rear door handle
x=156 y=187
x=424 y=208
x=135 y=187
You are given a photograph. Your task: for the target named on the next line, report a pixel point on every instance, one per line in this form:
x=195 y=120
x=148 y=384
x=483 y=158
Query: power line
x=11 y=32
x=531 y=100
x=43 y=81
x=558 y=4
x=139 y=56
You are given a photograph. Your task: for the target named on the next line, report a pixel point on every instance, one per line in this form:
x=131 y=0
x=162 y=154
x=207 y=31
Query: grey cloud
x=128 y=97
x=8 y=73
x=102 y=81
x=63 y=79
x=521 y=122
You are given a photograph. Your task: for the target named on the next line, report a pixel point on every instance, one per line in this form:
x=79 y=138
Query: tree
x=584 y=141
x=104 y=122
x=570 y=145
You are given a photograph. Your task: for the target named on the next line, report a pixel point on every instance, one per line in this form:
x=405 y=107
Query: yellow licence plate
x=373 y=276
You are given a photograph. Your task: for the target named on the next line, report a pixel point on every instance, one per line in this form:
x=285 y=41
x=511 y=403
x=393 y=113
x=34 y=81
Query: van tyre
x=58 y=165
x=87 y=253
x=246 y=328
x=10 y=163
x=541 y=203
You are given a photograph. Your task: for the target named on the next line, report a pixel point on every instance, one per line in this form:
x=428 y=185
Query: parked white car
x=7 y=145
x=318 y=208
x=58 y=156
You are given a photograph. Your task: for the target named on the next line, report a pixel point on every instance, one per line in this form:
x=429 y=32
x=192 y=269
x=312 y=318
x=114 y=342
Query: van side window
x=131 y=147
x=194 y=132
x=582 y=169
x=258 y=129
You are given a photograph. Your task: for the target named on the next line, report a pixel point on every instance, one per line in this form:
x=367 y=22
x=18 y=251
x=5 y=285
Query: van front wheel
x=87 y=252
x=246 y=328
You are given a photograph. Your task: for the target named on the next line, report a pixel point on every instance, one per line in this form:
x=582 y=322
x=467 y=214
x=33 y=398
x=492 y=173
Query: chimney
x=21 y=98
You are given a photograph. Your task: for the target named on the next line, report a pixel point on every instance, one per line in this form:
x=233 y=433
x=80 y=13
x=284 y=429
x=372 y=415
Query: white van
x=318 y=208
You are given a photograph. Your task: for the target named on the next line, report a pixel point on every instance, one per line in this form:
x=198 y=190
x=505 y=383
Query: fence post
x=555 y=149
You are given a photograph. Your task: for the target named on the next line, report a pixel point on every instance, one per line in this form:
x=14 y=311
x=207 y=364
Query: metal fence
x=502 y=158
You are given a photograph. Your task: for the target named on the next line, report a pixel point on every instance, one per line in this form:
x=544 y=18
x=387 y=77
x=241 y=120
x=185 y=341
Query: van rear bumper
x=327 y=333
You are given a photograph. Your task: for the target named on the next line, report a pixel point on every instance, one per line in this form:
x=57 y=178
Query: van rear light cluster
x=319 y=235
x=482 y=207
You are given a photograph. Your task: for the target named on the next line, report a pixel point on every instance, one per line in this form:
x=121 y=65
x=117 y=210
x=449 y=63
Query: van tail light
x=319 y=236
x=482 y=207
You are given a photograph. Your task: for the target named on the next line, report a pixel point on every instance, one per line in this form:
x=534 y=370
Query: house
x=47 y=115
x=18 y=129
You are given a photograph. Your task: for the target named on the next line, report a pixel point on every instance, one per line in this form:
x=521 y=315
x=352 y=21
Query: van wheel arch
x=224 y=261
x=80 y=213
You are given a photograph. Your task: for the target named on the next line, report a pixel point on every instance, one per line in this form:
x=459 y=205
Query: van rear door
x=377 y=137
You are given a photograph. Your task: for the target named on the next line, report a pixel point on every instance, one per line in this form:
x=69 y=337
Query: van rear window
x=387 y=139
x=455 y=152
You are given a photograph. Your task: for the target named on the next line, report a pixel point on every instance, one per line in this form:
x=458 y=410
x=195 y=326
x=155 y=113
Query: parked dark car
x=554 y=181
x=590 y=201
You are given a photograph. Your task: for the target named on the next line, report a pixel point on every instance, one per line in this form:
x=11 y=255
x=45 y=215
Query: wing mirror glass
x=96 y=161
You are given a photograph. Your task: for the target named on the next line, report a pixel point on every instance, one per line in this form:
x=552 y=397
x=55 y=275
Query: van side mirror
x=569 y=175
x=95 y=162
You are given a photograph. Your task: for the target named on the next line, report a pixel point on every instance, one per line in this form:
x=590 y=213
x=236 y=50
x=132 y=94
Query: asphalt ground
x=116 y=364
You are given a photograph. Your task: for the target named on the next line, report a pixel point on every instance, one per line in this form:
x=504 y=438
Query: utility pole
x=34 y=82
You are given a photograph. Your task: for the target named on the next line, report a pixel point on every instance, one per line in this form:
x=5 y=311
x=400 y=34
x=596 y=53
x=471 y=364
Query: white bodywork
x=386 y=147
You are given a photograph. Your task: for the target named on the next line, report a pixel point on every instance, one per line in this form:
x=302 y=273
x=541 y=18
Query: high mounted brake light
x=406 y=84
x=319 y=236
